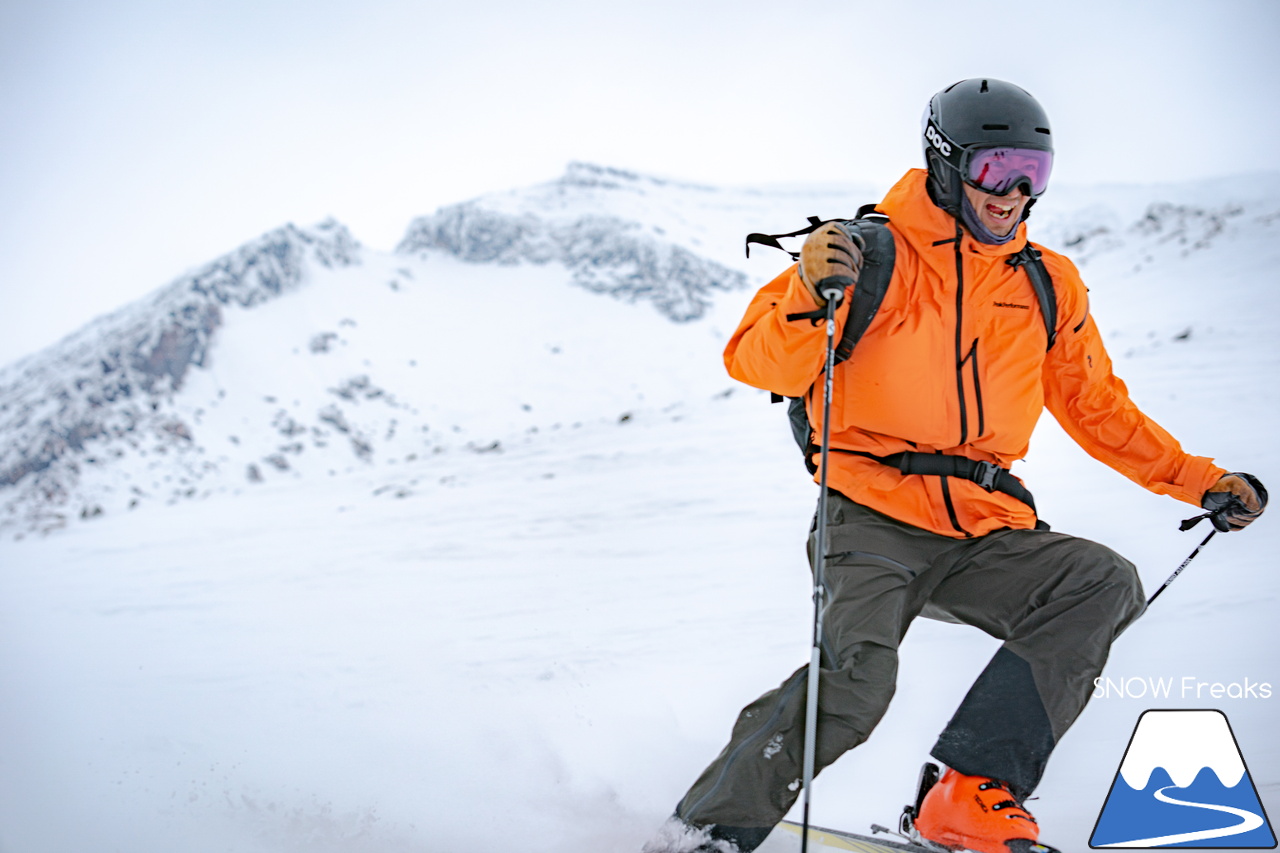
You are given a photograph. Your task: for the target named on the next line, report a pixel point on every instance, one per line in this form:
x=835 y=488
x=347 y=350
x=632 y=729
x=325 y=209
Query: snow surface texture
x=473 y=545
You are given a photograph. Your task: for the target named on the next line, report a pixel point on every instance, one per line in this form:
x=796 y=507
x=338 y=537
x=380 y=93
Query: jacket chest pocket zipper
x=972 y=358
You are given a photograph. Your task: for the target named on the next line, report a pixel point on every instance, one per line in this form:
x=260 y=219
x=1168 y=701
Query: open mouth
x=1000 y=212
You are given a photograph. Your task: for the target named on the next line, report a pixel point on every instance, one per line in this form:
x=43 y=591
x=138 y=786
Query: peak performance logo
x=1183 y=782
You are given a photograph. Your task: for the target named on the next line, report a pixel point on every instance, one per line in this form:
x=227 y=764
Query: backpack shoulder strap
x=878 y=256
x=1042 y=283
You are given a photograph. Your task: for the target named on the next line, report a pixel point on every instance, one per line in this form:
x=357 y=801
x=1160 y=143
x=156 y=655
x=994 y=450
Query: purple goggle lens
x=999 y=170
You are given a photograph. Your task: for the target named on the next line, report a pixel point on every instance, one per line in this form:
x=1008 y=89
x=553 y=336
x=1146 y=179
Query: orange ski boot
x=976 y=813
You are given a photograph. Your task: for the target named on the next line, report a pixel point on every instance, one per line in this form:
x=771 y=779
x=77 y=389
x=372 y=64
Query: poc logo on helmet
x=935 y=139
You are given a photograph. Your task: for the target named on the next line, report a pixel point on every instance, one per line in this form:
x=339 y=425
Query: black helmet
x=974 y=115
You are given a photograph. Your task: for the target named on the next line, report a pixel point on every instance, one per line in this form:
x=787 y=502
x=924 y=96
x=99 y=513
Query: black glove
x=829 y=257
x=1235 y=501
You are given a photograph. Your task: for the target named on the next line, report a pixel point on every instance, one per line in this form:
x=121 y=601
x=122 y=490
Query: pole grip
x=832 y=288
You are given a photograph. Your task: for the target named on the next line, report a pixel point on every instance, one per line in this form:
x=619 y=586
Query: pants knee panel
x=1096 y=571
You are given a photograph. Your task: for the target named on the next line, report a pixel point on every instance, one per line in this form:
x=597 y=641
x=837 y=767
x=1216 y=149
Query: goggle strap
x=946 y=147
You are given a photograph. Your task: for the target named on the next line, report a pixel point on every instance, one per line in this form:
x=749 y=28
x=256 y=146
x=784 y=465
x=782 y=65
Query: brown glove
x=1235 y=501
x=830 y=258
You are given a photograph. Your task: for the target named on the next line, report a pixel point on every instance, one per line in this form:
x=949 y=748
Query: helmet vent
x=1043 y=130
x=984 y=87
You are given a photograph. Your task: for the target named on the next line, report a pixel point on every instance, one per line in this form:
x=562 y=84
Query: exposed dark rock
x=604 y=254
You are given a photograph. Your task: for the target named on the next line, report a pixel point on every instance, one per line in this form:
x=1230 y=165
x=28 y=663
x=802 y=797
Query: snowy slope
x=531 y=557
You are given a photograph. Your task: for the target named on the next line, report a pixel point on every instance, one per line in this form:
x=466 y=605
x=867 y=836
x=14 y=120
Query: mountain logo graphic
x=1183 y=783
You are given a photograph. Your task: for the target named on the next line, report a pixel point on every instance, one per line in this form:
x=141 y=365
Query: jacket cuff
x=797 y=299
x=1198 y=474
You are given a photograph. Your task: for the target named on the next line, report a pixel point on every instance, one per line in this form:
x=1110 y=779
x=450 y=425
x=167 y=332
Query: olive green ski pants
x=1056 y=601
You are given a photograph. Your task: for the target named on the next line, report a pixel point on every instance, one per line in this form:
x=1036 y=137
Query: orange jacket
x=960 y=368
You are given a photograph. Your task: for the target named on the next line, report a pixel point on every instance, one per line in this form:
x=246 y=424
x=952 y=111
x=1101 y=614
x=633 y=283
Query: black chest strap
x=989 y=475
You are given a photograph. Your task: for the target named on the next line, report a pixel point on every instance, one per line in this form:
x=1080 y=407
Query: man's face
x=999 y=213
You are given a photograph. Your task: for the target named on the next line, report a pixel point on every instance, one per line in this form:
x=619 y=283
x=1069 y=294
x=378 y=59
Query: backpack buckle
x=985 y=473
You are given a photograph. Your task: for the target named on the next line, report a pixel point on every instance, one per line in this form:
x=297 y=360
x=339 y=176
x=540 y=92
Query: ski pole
x=1216 y=519
x=833 y=292
x=1178 y=570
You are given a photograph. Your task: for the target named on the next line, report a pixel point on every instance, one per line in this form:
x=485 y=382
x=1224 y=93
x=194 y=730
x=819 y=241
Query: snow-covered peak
x=580 y=174
x=1183 y=743
x=152 y=342
x=114 y=380
x=614 y=231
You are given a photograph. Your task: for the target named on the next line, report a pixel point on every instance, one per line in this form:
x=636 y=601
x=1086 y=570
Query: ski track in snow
x=543 y=646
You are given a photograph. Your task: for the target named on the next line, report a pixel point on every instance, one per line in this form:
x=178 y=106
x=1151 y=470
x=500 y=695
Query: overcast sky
x=141 y=139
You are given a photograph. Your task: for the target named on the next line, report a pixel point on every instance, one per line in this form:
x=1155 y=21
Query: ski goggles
x=999 y=170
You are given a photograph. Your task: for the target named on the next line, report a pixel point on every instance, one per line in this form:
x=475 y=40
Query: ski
x=834 y=839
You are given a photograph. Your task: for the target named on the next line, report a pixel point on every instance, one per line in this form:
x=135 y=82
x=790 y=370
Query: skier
x=956 y=365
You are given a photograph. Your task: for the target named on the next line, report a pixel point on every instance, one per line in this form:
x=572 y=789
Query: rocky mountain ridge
x=115 y=378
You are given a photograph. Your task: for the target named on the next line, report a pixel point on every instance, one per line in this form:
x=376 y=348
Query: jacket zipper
x=972 y=358
x=951 y=508
x=964 y=414
x=960 y=360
